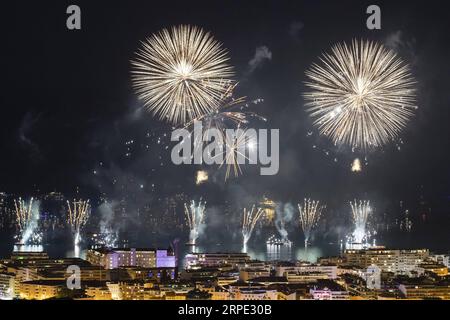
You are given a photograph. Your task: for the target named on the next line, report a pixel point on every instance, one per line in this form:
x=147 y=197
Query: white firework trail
x=77 y=216
x=361 y=210
x=27 y=216
x=310 y=213
x=195 y=217
x=249 y=221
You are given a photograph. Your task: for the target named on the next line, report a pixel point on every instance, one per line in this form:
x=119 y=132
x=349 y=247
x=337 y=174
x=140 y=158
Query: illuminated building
x=175 y=296
x=305 y=277
x=437 y=269
x=29 y=255
x=250 y=273
x=330 y=271
x=441 y=259
x=165 y=259
x=220 y=293
x=98 y=292
x=328 y=294
x=331 y=261
x=40 y=289
x=156 y=275
x=395 y=261
x=216 y=259
x=125 y=257
x=227 y=279
x=328 y=290
x=423 y=291
x=255 y=294
x=7 y=284
x=132 y=290
x=242 y=290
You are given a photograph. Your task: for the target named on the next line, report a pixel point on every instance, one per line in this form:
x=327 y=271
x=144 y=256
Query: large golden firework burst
x=181 y=74
x=361 y=94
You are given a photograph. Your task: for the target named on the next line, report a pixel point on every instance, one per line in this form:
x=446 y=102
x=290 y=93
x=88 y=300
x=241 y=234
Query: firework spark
x=361 y=94
x=180 y=73
x=250 y=218
x=195 y=216
x=356 y=165
x=77 y=216
x=231 y=112
x=361 y=211
x=24 y=213
x=202 y=177
x=310 y=214
x=27 y=221
x=237 y=146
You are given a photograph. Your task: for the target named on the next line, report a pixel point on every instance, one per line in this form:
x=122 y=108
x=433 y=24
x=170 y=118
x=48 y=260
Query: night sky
x=68 y=107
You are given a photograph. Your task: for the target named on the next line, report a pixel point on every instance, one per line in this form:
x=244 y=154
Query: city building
x=328 y=290
x=401 y=262
x=328 y=294
x=255 y=294
x=98 y=292
x=40 y=289
x=132 y=290
x=441 y=259
x=437 y=269
x=249 y=273
x=156 y=275
x=420 y=291
x=126 y=257
x=305 y=277
x=216 y=259
x=7 y=285
x=302 y=268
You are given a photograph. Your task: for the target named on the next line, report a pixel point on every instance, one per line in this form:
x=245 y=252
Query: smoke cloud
x=262 y=54
x=285 y=215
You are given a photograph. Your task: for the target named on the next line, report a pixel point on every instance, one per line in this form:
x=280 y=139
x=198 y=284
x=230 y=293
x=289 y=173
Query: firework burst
x=361 y=211
x=361 y=94
x=77 y=216
x=250 y=218
x=181 y=73
x=195 y=216
x=310 y=214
